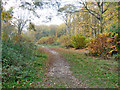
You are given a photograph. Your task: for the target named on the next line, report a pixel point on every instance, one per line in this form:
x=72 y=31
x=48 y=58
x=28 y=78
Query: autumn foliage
x=104 y=45
x=65 y=40
x=46 y=40
x=78 y=41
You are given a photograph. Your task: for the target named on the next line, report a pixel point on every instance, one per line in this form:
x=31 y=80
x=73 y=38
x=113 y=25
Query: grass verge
x=50 y=45
x=94 y=72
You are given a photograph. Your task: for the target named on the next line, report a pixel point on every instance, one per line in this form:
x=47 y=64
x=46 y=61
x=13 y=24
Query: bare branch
x=91 y=11
x=106 y=8
x=98 y=3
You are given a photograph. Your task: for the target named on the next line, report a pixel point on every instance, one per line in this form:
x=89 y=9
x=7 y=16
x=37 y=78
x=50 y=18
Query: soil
x=60 y=70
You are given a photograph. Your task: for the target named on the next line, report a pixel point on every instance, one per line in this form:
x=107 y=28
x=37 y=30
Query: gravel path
x=60 y=70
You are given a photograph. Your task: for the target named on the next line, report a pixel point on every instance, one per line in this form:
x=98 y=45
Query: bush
x=21 y=38
x=5 y=36
x=42 y=40
x=20 y=62
x=65 y=40
x=46 y=40
x=104 y=45
x=56 y=44
x=87 y=40
x=17 y=58
x=78 y=41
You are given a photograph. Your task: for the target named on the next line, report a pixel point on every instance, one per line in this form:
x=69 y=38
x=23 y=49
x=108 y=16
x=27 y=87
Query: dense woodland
x=94 y=26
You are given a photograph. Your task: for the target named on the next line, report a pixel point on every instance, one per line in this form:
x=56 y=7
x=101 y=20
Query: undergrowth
x=21 y=63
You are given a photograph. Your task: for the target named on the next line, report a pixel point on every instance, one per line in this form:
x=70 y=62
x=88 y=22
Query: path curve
x=60 y=69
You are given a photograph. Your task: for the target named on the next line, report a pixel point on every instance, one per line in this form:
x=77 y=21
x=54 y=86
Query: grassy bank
x=23 y=65
x=30 y=76
x=95 y=72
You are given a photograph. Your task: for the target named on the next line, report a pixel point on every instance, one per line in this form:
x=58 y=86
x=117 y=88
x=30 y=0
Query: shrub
x=19 y=61
x=78 y=41
x=42 y=40
x=104 y=45
x=46 y=40
x=20 y=38
x=65 y=40
x=17 y=57
x=56 y=43
x=87 y=40
x=5 y=36
x=51 y=40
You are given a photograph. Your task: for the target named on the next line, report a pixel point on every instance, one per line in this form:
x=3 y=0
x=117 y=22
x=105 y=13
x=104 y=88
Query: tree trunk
x=3 y=26
x=68 y=30
x=73 y=25
x=73 y=29
x=19 y=31
x=0 y=19
x=95 y=33
x=101 y=18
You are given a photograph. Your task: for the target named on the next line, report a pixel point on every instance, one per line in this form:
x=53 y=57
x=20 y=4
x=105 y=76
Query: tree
x=21 y=20
x=6 y=16
x=99 y=13
x=60 y=30
x=0 y=18
x=67 y=13
x=20 y=24
x=52 y=31
x=40 y=4
x=111 y=18
x=82 y=22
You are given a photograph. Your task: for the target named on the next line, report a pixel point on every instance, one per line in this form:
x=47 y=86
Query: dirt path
x=59 y=69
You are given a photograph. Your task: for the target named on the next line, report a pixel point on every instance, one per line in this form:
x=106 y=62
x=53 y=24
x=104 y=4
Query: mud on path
x=59 y=70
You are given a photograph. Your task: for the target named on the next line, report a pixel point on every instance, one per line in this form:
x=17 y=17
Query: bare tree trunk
x=95 y=33
x=67 y=28
x=3 y=26
x=19 y=31
x=73 y=29
x=101 y=18
x=73 y=32
x=0 y=18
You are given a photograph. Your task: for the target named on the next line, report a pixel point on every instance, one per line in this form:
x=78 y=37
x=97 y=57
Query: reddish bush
x=46 y=40
x=104 y=45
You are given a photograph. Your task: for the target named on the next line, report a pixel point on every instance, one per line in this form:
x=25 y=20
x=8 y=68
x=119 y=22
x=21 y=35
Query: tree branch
x=98 y=3
x=106 y=8
x=24 y=24
x=91 y=11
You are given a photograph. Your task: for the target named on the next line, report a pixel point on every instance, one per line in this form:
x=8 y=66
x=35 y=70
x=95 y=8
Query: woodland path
x=60 y=70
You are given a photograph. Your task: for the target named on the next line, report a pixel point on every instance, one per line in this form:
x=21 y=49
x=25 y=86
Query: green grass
x=96 y=73
x=50 y=45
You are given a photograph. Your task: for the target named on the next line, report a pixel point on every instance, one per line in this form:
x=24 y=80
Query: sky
x=56 y=20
